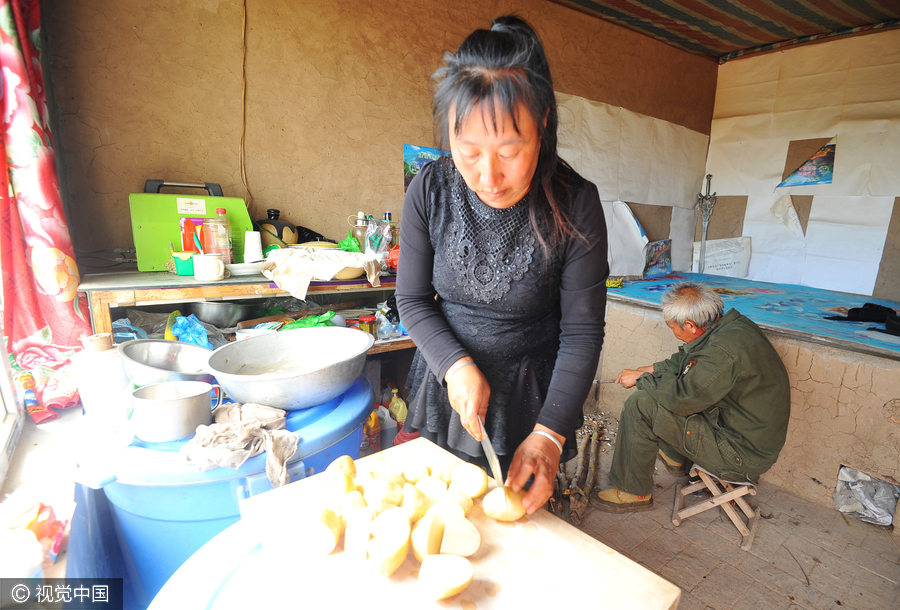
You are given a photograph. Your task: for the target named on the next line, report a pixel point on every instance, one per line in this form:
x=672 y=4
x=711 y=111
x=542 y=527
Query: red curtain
x=43 y=314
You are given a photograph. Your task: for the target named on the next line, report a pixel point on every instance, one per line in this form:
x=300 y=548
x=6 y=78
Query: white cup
x=208 y=267
x=252 y=247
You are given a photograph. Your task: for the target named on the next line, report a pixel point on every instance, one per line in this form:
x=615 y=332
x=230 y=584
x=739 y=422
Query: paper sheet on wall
x=629 y=156
x=728 y=257
x=784 y=211
x=846 y=88
x=845 y=239
x=626 y=240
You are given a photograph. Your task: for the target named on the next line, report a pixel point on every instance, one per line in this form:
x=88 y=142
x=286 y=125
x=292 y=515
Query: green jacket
x=735 y=379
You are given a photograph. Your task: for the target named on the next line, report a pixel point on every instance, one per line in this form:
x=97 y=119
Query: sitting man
x=723 y=401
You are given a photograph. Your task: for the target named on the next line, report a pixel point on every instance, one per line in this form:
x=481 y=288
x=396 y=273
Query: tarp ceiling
x=725 y=29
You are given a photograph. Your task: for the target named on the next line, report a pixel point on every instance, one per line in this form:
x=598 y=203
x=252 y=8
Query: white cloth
x=292 y=269
x=239 y=433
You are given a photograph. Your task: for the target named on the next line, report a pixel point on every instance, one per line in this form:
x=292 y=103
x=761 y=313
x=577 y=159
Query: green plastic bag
x=310 y=321
x=350 y=244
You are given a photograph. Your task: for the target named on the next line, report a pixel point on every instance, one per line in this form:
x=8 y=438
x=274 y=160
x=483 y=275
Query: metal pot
x=172 y=410
x=293 y=369
x=221 y=314
x=149 y=361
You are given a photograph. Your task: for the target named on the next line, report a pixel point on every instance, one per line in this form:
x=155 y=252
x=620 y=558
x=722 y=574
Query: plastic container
x=165 y=509
x=103 y=384
x=217 y=236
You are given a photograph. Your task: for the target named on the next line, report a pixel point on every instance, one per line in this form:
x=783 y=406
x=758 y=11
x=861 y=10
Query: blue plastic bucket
x=166 y=509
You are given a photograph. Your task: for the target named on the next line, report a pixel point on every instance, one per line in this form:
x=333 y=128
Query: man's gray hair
x=692 y=301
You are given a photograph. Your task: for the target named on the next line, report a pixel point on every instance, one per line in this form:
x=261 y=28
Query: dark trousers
x=645 y=428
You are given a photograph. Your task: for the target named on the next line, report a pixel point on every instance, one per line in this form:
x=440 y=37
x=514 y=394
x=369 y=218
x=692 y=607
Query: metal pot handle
x=219 y=395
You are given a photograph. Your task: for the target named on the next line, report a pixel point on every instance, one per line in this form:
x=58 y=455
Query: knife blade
x=491 y=456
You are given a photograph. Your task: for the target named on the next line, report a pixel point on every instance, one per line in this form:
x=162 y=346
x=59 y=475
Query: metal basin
x=149 y=361
x=221 y=314
x=293 y=369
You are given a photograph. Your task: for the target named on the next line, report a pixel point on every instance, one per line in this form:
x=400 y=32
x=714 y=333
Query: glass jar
x=367 y=324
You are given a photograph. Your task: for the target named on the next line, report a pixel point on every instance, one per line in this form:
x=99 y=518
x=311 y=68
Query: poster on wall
x=818 y=169
x=415 y=158
x=659 y=259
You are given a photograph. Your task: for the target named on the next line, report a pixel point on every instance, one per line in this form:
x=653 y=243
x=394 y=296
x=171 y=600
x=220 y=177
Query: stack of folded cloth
x=239 y=433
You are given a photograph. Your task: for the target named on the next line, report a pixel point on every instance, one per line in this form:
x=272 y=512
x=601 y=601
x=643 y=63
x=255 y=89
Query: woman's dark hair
x=507 y=64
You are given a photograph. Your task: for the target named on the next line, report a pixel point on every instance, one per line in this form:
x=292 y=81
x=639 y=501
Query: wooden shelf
x=381 y=347
x=135 y=288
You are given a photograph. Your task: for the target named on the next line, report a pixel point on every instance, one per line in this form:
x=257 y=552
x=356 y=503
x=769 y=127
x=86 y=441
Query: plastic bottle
x=359 y=230
x=395 y=231
x=217 y=236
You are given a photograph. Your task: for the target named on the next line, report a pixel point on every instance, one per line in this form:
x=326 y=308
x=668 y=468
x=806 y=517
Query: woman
x=502 y=273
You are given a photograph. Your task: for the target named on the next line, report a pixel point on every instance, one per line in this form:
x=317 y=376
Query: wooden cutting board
x=539 y=561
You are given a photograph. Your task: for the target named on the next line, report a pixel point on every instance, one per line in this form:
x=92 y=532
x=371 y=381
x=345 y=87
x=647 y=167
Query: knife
x=491 y=456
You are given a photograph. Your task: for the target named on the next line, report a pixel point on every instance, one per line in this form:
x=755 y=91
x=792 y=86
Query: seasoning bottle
x=395 y=230
x=359 y=230
x=367 y=324
x=217 y=236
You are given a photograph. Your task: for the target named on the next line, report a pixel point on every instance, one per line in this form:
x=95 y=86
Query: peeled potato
x=389 y=523
x=383 y=491
x=338 y=483
x=461 y=537
x=498 y=510
x=414 y=472
x=356 y=534
x=320 y=531
x=444 y=509
x=443 y=576
x=389 y=546
x=426 y=536
x=350 y=502
x=363 y=480
x=388 y=553
x=446 y=474
x=343 y=463
x=432 y=487
x=415 y=502
x=392 y=473
x=455 y=496
x=470 y=479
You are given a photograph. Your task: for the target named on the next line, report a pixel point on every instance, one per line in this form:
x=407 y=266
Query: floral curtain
x=43 y=315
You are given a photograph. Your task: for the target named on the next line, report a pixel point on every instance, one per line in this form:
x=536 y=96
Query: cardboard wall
x=334 y=89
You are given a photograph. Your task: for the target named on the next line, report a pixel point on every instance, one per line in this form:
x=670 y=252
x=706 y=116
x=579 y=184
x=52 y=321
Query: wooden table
x=537 y=562
x=136 y=288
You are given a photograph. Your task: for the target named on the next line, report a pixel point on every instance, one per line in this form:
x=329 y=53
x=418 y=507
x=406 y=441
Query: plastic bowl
x=149 y=361
x=292 y=369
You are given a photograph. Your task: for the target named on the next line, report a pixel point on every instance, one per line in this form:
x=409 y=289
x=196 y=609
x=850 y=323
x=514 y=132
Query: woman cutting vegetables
x=502 y=274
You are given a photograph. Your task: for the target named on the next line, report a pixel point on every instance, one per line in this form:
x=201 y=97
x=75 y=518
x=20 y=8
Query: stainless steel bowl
x=293 y=369
x=221 y=314
x=149 y=361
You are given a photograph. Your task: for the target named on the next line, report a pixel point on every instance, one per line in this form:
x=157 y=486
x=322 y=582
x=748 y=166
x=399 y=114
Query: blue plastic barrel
x=165 y=509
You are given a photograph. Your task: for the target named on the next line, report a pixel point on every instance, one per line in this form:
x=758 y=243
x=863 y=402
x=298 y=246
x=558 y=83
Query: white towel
x=240 y=432
x=292 y=269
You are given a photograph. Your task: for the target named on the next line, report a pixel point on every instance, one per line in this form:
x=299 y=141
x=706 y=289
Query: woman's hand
x=468 y=391
x=538 y=456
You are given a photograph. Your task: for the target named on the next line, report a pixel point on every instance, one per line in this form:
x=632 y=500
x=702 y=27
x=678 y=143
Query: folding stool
x=725 y=497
